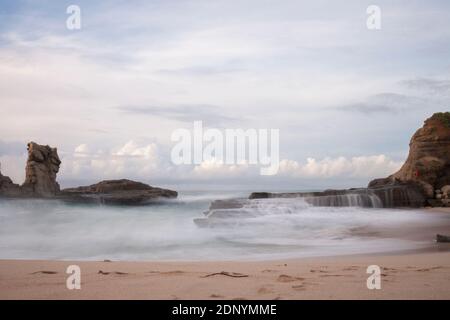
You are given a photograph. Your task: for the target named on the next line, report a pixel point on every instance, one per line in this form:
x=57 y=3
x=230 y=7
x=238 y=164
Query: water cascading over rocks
x=330 y=198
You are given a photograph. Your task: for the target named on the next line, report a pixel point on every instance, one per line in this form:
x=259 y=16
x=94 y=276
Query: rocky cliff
x=428 y=164
x=424 y=178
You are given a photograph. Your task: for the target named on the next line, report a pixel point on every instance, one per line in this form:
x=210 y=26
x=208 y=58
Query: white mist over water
x=275 y=228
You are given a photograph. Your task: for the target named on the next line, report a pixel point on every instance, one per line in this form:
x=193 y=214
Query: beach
x=422 y=273
x=419 y=275
x=412 y=274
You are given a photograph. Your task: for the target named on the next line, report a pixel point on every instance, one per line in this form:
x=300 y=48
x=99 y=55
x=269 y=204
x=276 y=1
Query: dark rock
x=442 y=238
x=260 y=195
x=7 y=187
x=116 y=192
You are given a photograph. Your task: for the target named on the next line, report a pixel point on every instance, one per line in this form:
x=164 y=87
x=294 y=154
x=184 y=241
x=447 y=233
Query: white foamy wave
x=263 y=229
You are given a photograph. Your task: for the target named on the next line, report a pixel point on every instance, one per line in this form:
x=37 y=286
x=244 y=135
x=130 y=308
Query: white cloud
x=362 y=166
x=217 y=169
x=128 y=160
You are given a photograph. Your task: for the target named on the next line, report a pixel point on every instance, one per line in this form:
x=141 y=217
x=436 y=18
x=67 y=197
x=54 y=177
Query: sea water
x=273 y=228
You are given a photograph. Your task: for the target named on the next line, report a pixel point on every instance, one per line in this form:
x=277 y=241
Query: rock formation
x=120 y=192
x=40 y=181
x=427 y=167
x=428 y=162
x=7 y=187
x=40 y=172
x=424 y=179
x=388 y=196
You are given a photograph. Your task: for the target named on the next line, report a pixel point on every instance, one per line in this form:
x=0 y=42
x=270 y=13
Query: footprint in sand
x=287 y=278
x=318 y=271
x=299 y=287
x=264 y=290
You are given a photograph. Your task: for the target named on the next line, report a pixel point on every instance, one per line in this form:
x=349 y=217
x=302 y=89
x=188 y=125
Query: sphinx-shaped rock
x=40 y=172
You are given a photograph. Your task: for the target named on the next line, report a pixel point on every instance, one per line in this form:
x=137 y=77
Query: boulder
x=117 y=192
x=40 y=172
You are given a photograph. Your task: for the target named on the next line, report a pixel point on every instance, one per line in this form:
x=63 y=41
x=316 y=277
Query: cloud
x=355 y=167
x=218 y=170
x=128 y=160
x=428 y=85
x=132 y=159
x=387 y=102
x=185 y=113
x=330 y=85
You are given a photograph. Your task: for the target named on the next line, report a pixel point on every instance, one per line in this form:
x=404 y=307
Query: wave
x=262 y=229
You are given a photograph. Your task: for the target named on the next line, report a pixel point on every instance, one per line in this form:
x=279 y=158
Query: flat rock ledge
x=116 y=192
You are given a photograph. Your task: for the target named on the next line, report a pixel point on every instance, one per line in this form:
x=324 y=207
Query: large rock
x=117 y=192
x=426 y=169
x=40 y=172
x=428 y=162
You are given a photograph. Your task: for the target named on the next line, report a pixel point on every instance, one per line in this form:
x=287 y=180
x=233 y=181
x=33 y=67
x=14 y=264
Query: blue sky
x=344 y=96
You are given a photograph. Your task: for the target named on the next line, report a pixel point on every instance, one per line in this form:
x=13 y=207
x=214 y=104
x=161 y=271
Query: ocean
x=270 y=229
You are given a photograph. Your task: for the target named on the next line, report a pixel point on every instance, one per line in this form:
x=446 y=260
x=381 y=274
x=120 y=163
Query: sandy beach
x=404 y=276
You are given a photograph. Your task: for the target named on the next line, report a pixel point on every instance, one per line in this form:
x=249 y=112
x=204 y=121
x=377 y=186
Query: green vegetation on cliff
x=444 y=117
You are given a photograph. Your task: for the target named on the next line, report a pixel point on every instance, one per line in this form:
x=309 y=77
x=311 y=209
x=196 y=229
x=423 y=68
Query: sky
x=346 y=99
